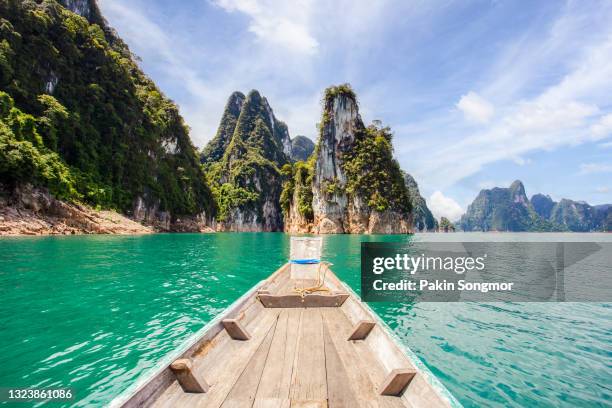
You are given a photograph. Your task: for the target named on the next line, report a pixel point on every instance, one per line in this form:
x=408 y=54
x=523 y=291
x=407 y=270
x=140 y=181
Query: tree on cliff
x=81 y=118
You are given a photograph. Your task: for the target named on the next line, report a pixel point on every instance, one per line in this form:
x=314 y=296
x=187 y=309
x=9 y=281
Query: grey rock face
x=337 y=137
x=423 y=220
x=244 y=161
x=301 y=148
x=500 y=209
x=507 y=209
x=542 y=204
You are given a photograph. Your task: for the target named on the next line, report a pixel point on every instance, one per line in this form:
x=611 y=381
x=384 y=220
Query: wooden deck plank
x=222 y=365
x=276 y=378
x=365 y=389
x=279 y=279
x=272 y=403
x=244 y=390
x=341 y=392
x=309 y=382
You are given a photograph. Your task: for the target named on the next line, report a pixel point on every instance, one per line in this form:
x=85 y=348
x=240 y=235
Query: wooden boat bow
x=278 y=347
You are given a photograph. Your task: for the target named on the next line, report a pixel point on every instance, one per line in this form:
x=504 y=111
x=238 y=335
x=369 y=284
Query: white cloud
x=561 y=115
x=603 y=190
x=442 y=206
x=521 y=161
x=475 y=108
x=281 y=23
x=603 y=128
x=591 y=168
x=606 y=145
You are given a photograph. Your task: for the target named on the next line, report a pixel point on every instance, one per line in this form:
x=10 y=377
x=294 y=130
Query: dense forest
x=79 y=117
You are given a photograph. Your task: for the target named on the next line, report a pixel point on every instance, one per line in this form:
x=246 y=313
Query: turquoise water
x=95 y=312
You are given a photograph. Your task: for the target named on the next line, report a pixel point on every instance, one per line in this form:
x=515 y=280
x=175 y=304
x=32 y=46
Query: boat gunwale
x=428 y=375
x=123 y=399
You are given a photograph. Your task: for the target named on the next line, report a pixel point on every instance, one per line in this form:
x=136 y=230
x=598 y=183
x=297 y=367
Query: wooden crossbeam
x=310 y=300
x=397 y=381
x=183 y=370
x=235 y=330
x=362 y=329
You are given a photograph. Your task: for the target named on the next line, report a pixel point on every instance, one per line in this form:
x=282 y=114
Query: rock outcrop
x=507 y=209
x=500 y=209
x=422 y=218
x=243 y=164
x=301 y=148
x=85 y=8
x=543 y=205
x=33 y=211
x=215 y=149
x=576 y=216
x=28 y=210
x=357 y=186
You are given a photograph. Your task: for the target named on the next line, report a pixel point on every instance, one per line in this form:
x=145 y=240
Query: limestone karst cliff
x=422 y=218
x=352 y=183
x=80 y=119
x=215 y=149
x=501 y=209
x=301 y=148
x=508 y=209
x=579 y=216
x=243 y=164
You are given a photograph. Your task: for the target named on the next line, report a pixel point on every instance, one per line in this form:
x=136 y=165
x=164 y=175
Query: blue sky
x=478 y=93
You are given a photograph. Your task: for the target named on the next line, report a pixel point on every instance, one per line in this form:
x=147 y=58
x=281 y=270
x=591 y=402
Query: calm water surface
x=95 y=312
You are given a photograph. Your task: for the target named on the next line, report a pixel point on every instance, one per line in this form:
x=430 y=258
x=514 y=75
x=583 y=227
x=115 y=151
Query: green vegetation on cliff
x=505 y=209
x=423 y=219
x=508 y=209
x=298 y=178
x=371 y=171
x=24 y=156
x=243 y=162
x=215 y=149
x=86 y=120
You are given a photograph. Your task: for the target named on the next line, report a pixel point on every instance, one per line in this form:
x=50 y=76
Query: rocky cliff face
x=243 y=164
x=28 y=210
x=216 y=147
x=576 y=216
x=80 y=119
x=569 y=215
x=542 y=204
x=500 y=209
x=507 y=209
x=84 y=8
x=301 y=148
x=357 y=186
x=422 y=218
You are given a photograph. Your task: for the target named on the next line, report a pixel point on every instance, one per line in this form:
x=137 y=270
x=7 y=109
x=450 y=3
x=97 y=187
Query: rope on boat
x=320 y=286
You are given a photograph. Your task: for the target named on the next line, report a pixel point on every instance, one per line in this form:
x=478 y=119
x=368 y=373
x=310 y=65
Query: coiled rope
x=320 y=285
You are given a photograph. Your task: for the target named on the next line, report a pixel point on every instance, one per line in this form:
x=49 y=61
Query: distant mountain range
x=509 y=209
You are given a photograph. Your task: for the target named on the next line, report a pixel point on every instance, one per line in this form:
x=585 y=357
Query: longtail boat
x=300 y=338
